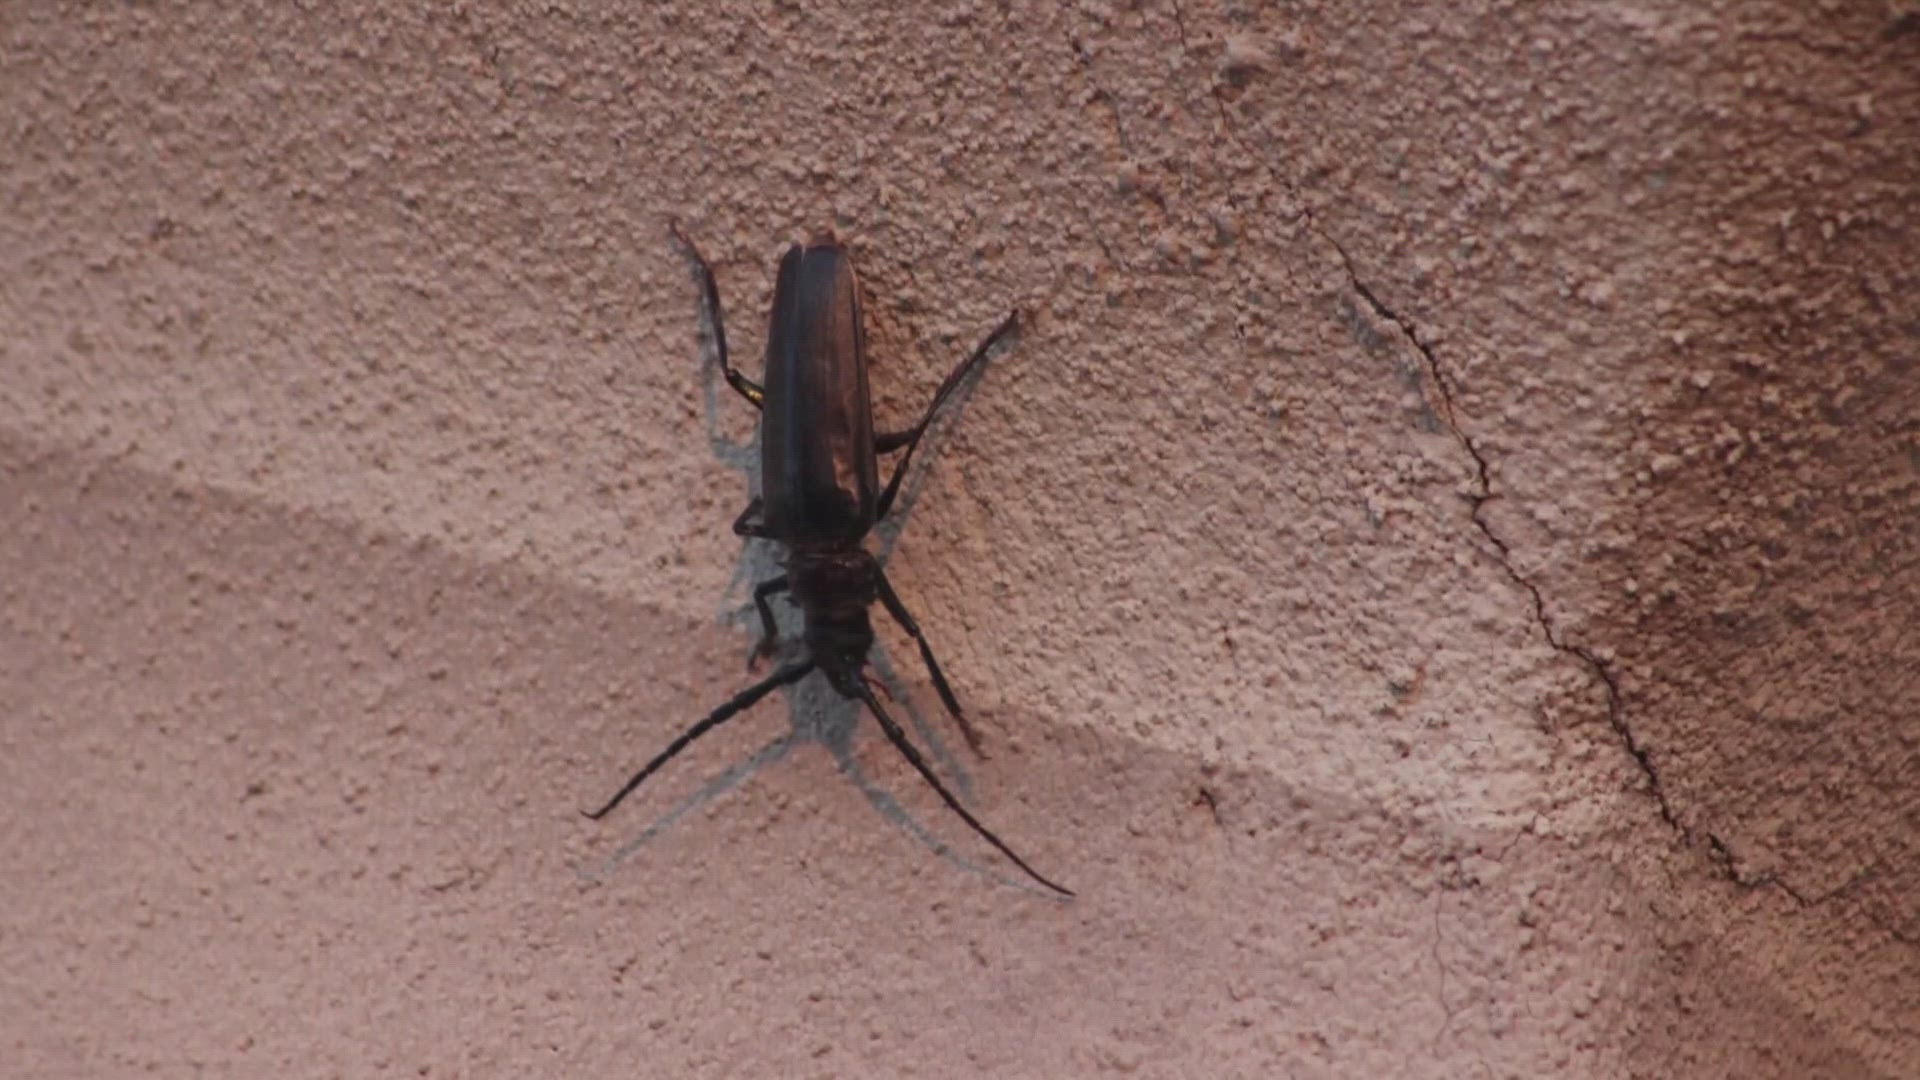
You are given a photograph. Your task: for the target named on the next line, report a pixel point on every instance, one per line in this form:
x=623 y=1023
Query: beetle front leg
x=710 y=293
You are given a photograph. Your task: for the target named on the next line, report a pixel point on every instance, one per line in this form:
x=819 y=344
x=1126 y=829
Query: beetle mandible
x=819 y=477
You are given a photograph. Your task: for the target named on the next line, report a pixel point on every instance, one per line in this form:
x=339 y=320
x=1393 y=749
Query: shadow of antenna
x=822 y=717
x=825 y=718
x=715 y=787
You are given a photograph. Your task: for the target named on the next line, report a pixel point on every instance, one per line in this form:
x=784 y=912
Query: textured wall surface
x=1436 y=574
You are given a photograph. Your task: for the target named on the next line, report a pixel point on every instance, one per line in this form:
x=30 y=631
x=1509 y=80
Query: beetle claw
x=765 y=650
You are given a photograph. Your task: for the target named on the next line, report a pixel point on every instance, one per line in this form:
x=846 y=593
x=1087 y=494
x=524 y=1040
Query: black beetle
x=821 y=496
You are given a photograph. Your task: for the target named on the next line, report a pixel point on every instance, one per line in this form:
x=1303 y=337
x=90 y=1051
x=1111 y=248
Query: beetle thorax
x=834 y=581
x=834 y=587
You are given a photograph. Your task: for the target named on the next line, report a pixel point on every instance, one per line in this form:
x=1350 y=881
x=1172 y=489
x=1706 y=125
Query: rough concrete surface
x=1436 y=573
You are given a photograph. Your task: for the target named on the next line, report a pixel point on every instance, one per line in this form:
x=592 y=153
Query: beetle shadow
x=816 y=713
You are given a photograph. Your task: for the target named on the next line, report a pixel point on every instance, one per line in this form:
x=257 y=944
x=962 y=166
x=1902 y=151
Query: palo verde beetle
x=821 y=495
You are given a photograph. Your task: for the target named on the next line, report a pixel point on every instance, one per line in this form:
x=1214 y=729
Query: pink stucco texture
x=1437 y=574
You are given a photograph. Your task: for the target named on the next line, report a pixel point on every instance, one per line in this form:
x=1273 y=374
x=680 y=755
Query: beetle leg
x=887 y=442
x=743 y=527
x=910 y=438
x=769 y=635
x=908 y=751
x=739 y=701
x=710 y=293
x=899 y=612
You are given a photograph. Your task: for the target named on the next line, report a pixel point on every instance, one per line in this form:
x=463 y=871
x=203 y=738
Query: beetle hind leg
x=910 y=438
x=710 y=294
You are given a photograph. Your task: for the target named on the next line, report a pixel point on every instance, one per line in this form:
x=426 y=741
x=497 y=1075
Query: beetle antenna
x=742 y=700
x=907 y=750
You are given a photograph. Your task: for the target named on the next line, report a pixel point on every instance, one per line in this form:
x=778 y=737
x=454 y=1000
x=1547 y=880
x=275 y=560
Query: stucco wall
x=1436 y=573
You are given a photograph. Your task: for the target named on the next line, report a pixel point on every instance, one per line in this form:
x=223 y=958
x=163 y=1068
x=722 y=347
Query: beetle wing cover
x=818 y=475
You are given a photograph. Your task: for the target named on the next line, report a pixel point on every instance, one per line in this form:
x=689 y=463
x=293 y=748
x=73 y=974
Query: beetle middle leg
x=710 y=293
x=769 y=634
x=910 y=438
x=744 y=526
x=900 y=615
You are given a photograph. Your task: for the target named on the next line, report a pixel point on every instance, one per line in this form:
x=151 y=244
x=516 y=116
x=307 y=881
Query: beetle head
x=839 y=643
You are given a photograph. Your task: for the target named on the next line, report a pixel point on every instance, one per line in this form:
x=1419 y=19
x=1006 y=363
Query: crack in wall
x=1717 y=850
x=1478 y=500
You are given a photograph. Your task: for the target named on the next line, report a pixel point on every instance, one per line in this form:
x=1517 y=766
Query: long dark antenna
x=742 y=700
x=907 y=749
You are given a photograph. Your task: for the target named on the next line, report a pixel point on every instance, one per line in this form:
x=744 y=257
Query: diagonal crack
x=1478 y=500
x=1718 y=852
